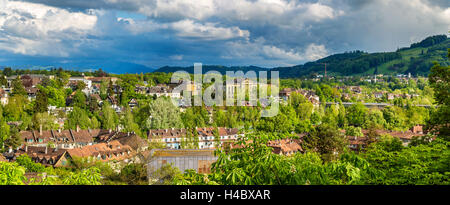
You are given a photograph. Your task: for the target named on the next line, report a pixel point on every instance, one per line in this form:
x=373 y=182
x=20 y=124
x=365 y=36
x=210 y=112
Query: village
x=58 y=145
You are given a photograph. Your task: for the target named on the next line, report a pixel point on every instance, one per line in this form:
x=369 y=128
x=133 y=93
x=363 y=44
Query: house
x=285 y=147
x=113 y=150
x=390 y=96
x=3 y=97
x=67 y=139
x=159 y=91
x=129 y=138
x=357 y=143
x=206 y=136
x=356 y=89
x=285 y=93
x=45 y=155
x=378 y=95
x=133 y=103
x=98 y=80
x=418 y=129
x=31 y=92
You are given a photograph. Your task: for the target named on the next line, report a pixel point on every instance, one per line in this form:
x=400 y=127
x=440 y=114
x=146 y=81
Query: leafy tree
x=109 y=117
x=4 y=129
x=79 y=100
x=81 y=85
x=354 y=131
x=78 y=117
x=14 y=140
x=25 y=161
x=11 y=174
x=18 y=88
x=134 y=174
x=14 y=110
x=41 y=103
x=395 y=117
x=284 y=122
x=357 y=114
x=7 y=71
x=440 y=81
x=421 y=164
x=326 y=140
x=89 y=176
x=129 y=125
x=163 y=115
x=47 y=121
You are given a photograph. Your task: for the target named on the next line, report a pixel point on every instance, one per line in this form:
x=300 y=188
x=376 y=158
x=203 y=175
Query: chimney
x=78 y=128
x=26 y=149
x=40 y=130
x=46 y=149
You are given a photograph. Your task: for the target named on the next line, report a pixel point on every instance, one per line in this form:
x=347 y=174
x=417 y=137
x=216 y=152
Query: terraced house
x=206 y=136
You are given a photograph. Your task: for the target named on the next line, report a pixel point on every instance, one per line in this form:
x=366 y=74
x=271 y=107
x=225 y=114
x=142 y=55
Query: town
x=71 y=120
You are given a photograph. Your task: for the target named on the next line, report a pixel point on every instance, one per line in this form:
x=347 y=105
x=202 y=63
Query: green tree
x=79 y=100
x=129 y=125
x=18 y=88
x=439 y=79
x=163 y=114
x=89 y=176
x=78 y=117
x=326 y=140
x=14 y=140
x=41 y=103
x=357 y=114
x=109 y=117
x=11 y=174
x=30 y=166
x=47 y=121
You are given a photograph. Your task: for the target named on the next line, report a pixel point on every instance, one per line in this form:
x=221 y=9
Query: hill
x=416 y=59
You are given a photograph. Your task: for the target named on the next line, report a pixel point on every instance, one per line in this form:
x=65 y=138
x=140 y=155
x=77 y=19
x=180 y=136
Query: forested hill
x=416 y=59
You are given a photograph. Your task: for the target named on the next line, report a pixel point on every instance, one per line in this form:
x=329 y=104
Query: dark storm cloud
x=231 y=32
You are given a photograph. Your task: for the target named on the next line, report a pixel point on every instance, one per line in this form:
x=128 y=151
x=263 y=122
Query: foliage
x=11 y=174
x=440 y=81
x=30 y=166
x=163 y=114
x=89 y=176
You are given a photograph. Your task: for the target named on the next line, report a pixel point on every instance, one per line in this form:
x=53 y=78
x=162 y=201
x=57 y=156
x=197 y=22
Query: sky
x=145 y=34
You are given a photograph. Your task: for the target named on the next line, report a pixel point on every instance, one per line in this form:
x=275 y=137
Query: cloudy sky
x=155 y=33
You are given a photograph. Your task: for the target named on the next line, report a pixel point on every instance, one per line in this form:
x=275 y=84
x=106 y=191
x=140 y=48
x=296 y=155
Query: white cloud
x=314 y=52
x=207 y=31
x=176 y=57
x=259 y=50
x=36 y=29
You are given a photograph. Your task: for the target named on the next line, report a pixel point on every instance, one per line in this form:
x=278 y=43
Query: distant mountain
x=115 y=67
x=416 y=59
x=206 y=68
